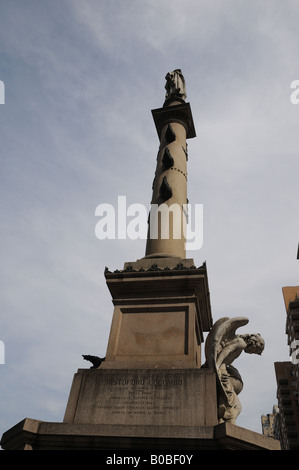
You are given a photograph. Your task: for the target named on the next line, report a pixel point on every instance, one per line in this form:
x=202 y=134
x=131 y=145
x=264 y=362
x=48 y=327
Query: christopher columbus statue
x=175 y=85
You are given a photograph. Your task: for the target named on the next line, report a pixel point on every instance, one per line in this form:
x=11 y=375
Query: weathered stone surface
x=32 y=434
x=161 y=309
x=143 y=397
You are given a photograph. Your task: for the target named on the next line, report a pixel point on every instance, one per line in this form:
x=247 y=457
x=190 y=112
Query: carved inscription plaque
x=142 y=397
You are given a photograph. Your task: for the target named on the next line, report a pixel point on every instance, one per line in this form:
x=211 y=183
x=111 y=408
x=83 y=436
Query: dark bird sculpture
x=95 y=360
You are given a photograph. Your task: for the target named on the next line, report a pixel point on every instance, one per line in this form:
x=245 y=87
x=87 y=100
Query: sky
x=81 y=79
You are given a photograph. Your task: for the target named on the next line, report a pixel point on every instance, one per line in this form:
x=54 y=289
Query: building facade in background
x=287 y=396
x=285 y=424
x=269 y=423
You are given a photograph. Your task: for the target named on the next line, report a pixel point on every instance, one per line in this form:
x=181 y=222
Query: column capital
x=180 y=113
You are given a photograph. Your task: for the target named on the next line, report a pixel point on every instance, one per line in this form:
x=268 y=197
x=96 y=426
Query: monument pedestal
x=141 y=398
x=138 y=410
x=161 y=309
x=151 y=393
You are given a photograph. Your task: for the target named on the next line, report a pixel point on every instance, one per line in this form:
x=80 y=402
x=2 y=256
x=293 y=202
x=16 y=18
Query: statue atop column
x=175 y=85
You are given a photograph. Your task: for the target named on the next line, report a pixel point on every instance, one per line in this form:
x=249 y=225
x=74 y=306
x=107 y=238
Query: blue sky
x=81 y=79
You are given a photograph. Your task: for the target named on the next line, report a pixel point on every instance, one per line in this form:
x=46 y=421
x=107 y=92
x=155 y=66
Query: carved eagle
x=95 y=360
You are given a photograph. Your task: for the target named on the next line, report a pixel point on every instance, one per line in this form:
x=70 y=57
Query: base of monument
x=148 y=410
x=31 y=434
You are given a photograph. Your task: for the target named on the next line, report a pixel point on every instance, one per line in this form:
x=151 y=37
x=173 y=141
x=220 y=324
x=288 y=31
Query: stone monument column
x=168 y=215
x=152 y=390
x=161 y=301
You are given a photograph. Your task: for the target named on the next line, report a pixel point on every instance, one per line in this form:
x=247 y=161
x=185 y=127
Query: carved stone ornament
x=169 y=134
x=167 y=160
x=95 y=360
x=222 y=347
x=165 y=189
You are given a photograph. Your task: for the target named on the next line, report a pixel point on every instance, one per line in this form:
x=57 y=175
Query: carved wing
x=223 y=331
x=211 y=342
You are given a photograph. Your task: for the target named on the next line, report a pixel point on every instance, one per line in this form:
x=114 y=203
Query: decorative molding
x=154 y=267
x=180 y=113
x=180 y=171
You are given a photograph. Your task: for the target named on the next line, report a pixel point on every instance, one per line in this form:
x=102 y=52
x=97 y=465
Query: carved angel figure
x=175 y=85
x=222 y=347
